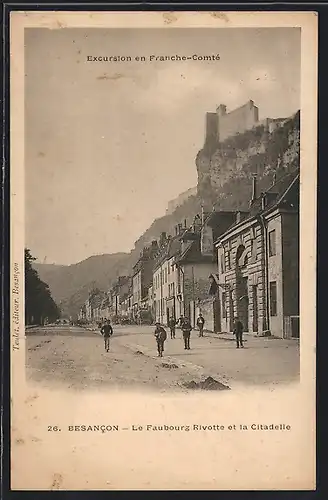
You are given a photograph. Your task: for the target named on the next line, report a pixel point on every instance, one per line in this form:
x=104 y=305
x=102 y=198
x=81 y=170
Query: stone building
x=166 y=279
x=142 y=277
x=126 y=299
x=118 y=293
x=197 y=261
x=91 y=310
x=258 y=263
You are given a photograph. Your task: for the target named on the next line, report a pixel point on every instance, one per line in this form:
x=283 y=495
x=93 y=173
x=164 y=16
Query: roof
x=275 y=197
x=171 y=249
x=192 y=254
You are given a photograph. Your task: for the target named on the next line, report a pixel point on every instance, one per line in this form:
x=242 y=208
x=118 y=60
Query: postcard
x=163 y=250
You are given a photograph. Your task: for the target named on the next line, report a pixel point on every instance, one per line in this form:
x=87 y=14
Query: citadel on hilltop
x=222 y=125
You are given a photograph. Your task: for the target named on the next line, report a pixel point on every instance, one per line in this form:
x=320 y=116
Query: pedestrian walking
x=186 y=330
x=238 y=331
x=180 y=321
x=172 y=324
x=107 y=332
x=200 y=324
x=160 y=336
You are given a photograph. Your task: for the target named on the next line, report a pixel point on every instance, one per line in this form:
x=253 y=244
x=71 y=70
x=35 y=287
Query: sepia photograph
x=161 y=226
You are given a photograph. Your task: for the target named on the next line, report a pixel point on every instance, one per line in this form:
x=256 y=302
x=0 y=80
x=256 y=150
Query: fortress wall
x=239 y=120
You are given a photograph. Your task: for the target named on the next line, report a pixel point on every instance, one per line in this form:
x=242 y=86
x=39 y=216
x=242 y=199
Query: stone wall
x=206 y=308
x=196 y=282
x=237 y=121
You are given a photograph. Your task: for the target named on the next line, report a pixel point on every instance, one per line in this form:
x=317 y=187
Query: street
x=75 y=357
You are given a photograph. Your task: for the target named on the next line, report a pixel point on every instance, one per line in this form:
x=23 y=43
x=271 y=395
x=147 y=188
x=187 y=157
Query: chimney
x=162 y=238
x=185 y=223
x=197 y=223
x=254 y=189
x=202 y=215
x=206 y=241
x=263 y=201
x=154 y=247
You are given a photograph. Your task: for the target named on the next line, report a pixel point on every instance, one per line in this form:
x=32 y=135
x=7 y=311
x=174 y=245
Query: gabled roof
x=275 y=196
x=192 y=254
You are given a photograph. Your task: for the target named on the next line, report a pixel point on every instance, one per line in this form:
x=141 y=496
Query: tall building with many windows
x=258 y=264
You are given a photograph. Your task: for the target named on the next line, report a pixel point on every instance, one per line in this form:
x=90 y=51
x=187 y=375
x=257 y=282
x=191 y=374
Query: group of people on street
x=184 y=324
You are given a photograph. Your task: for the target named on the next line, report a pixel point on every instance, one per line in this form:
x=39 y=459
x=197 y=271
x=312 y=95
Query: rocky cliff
x=225 y=170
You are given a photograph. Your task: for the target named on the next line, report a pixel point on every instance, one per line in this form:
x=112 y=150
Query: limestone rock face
x=225 y=171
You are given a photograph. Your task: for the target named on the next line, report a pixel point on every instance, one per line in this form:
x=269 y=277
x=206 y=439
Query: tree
x=39 y=303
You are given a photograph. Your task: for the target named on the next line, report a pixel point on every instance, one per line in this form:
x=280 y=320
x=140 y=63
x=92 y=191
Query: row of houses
x=225 y=264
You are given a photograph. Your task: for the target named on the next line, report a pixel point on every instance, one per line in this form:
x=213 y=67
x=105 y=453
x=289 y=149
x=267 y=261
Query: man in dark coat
x=200 y=324
x=238 y=331
x=186 y=330
x=172 y=324
x=107 y=332
x=160 y=335
x=180 y=321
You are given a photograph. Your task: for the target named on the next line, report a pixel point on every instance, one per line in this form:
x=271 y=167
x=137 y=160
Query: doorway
x=242 y=286
x=295 y=327
x=242 y=302
x=231 y=312
x=255 y=310
x=217 y=315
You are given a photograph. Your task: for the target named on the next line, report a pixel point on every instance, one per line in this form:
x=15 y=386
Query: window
x=273 y=298
x=254 y=249
x=168 y=269
x=272 y=243
x=224 y=311
x=165 y=274
x=229 y=259
x=241 y=256
x=222 y=256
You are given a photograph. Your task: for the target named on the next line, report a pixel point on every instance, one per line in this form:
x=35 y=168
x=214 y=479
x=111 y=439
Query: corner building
x=258 y=263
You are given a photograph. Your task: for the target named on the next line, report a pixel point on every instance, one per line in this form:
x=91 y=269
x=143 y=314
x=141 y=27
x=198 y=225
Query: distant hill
x=70 y=285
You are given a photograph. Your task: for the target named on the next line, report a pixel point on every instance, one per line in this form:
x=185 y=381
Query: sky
x=108 y=144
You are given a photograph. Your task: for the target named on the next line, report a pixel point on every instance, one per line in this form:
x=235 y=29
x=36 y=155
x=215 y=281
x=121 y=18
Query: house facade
x=257 y=279
x=142 y=278
x=197 y=263
x=166 y=282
